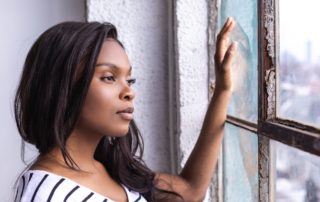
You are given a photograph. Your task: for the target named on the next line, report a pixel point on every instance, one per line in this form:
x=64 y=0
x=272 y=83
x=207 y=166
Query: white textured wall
x=21 y=23
x=143 y=28
x=191 y=49
x=192 y=64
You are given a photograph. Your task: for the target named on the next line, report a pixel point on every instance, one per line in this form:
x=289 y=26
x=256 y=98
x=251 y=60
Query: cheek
x=99 y=104
x=99 y=112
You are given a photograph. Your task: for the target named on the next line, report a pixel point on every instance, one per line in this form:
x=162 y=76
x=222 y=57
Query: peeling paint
x=263 y=169
x=270 y=80
x=269 y=25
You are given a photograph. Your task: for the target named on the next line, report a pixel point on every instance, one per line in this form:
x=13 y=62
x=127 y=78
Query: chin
x=123 y=131
x=118 y=130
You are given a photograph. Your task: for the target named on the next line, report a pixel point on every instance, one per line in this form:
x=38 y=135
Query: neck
x=81 y=146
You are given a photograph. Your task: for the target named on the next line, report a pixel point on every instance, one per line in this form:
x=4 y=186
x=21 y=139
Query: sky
x=299 y=23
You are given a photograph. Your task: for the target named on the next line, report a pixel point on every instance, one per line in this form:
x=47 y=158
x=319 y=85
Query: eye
x=131 y=81
x=109 y=78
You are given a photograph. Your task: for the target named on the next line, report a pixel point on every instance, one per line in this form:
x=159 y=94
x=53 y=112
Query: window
x=272 y=143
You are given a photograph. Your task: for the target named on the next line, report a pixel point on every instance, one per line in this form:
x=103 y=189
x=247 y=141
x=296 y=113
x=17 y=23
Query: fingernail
x=227 y=21
x=230 y=19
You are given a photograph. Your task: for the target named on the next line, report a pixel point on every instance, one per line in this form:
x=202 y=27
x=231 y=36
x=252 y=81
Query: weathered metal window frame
x=289 y=132
x=269 y=126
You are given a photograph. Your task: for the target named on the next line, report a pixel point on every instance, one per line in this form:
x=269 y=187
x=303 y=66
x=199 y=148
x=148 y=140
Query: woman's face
x=109 y=94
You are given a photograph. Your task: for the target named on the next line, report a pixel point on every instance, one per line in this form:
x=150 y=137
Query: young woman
x=75 y=104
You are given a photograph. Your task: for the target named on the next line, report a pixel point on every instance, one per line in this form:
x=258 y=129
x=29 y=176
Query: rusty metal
x=266 y=54
x=289 y=132
x=266 y=90
x=264 y=172
x=302 y=139
x=298 y=125
x=252 y=127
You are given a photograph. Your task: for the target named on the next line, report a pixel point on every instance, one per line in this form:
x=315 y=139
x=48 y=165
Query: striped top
x=39 y=185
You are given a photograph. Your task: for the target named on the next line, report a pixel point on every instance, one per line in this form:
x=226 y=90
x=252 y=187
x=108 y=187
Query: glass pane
x=297 y=175
x=240 y=165
x=244 y=100
x=299 y=85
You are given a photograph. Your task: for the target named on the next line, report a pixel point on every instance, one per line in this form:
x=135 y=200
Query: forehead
x=112 y=52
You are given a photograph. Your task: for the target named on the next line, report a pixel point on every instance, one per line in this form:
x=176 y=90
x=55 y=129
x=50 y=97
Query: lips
x=127 y=110
x=127 y=113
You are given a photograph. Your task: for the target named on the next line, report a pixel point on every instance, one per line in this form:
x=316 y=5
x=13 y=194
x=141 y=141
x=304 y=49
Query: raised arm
x=191 y=184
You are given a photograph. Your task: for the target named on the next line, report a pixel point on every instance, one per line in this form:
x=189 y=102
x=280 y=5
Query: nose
x=127 y=93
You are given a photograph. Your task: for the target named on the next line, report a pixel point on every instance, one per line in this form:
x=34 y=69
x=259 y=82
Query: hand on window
x=224 y=56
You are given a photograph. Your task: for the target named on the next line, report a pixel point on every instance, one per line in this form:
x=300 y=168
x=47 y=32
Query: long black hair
x=53 y=86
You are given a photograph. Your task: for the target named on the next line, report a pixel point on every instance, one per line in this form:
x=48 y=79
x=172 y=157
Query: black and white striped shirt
x=39 y=186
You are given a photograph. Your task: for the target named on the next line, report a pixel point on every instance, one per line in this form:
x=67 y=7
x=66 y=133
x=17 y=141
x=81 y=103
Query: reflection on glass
x=240 y=165
x=297 y=175
x=299 y=72
x=244 y=100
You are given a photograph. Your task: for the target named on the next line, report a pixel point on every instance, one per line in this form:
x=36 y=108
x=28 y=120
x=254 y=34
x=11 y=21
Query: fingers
x=222 y=39
x=226 y=24
x=229 y=55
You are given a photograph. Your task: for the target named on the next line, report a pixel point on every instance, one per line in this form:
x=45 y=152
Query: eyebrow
x=111 y=65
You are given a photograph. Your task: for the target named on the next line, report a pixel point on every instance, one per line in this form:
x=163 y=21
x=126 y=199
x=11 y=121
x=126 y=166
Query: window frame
x=292 y=133
x=269 y=126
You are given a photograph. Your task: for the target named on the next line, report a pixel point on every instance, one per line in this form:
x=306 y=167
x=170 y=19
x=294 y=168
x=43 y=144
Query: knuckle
x=221 y=36
x=217 y=58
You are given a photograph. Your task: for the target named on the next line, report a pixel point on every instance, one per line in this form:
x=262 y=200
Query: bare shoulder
x=55 y=168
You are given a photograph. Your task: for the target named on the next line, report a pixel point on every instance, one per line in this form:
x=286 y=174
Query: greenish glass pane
x=240 y=165
x=245 y=97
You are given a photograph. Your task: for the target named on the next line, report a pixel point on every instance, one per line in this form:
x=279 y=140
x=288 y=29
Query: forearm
x=194 y=178
x=202 y=161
